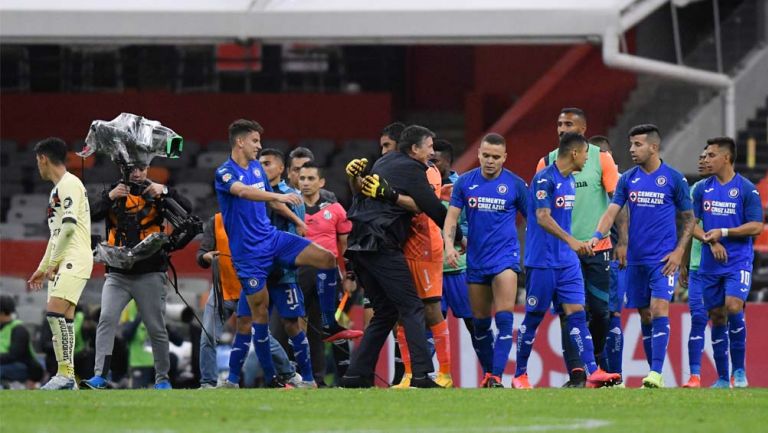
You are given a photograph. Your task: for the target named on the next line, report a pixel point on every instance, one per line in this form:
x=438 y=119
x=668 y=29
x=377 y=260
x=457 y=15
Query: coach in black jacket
x=380 y=228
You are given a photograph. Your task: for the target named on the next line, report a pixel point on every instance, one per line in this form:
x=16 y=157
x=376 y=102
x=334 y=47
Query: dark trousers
x=389 y=286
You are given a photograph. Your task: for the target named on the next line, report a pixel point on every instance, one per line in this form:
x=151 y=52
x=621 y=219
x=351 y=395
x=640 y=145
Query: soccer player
x=552 y=266
x=389 y=137
x=242 y=190
x=654 y=192
x=68 y=260
x=689 y=278
x=492 y=197
x=595 y=185
x=729 y=206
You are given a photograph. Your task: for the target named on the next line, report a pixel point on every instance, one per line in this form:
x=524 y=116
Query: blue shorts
x=716 y=287
x=281 y=247
x=695 y=294
x=243 y=310
x=485 y=276
x=555 y=286
x=455 y=295
x=645 y=282
x=288 y=299
x=617 y=291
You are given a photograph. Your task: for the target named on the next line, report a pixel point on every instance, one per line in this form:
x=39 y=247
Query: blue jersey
x=727 y=206
x=653 y=199
x=550 y=190
x=286 y=225
x=492 y=207
x=245 y=221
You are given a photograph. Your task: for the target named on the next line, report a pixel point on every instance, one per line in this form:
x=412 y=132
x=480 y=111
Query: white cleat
x=60 y=383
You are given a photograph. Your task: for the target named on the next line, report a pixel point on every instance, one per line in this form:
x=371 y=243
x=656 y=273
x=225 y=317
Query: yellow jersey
x=68 y=202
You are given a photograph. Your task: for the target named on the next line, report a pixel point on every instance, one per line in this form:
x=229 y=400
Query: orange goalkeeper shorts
x=428 y=278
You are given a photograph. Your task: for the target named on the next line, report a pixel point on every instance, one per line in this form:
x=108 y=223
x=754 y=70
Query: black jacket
x=379 y=225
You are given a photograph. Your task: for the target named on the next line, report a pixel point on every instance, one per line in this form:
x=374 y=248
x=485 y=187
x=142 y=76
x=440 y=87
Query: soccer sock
x=300 y=347
x=696 y=341
x=525 y=338
x=62 y=343
x=326 y=291
x=483 y=339
x=341 y=356
x=504 y=321
x=647 y=331
x=442 y=346
x=659 y=341
x=263 y=352
x=614 y=345
x=582 y=339
x=71 y=331
x=405 y=355
x=737 y=328
x=240 y=347
x=720 y=350
x=430 y=342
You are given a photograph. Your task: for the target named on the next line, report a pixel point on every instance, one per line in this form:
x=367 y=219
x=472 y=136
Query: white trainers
x=225 y=384
x=207 y=386
x=60 y=382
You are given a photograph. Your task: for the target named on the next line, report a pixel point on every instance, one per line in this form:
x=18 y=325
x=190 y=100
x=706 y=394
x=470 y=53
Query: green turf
x=370 y=411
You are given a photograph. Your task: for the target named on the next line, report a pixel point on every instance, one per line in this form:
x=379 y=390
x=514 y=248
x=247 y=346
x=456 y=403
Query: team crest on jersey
x=733 y=192
x=661 y=181
x=253 y=282
x=560 y=201
x=502 y=189
x=257 y=172
x=472 y=202
x=632 y=196
x=327 y=215
x=532 y=301
x=227 y=177
x=707 y=205
x=541 y=195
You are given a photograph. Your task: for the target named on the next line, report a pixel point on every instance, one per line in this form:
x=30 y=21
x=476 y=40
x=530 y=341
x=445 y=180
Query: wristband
x=724 y=233
x=597 y=235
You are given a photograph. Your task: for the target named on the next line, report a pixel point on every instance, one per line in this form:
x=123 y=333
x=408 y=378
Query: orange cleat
x=338 y=333
x=601 y=378
x=693 y=382
x=484 y=382
x=521 y=382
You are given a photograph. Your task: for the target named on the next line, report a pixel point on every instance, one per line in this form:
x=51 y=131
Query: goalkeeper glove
x=356 y=167
x=378 y=188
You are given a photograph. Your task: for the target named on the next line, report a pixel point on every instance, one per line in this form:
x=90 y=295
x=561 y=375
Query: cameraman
x=133 y=210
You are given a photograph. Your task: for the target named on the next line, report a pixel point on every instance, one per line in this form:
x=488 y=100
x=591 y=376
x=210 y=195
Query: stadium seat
x=203 y=175
x=27 y=214
x=35 y=201
x=362 y=144
x=281 y=145
x=218 y=146
x=10 y=146
x=13 y=286
x=194 y=190
x=12 y=231
x=211 y=159
x=320 y=147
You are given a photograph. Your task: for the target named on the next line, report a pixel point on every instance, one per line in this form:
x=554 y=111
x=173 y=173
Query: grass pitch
x=380 y=410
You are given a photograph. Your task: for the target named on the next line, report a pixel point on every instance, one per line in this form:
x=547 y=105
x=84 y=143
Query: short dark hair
x=597 y=140
x=726 y=142
x=313 y=164
x=444 y=146
x=55 y=149
x=573 y=110
x=243 y=126
x=301 y=152
x=646 y=128
x=494 y=138
x=411 y=135
x=270 y=151
x=569 y=141
x=7 y=304
x=393 y=130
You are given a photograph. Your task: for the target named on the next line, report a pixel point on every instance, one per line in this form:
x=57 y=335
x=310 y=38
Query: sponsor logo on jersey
x=472 y=202
x=473 y=187
x=541 y=195
x=227 y=177
x=559 y=201
x=632 y=196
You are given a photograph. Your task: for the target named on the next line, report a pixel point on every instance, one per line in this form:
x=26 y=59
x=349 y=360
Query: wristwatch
x=165 y=189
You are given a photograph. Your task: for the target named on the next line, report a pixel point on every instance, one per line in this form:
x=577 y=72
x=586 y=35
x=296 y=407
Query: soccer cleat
x=600 y=378
x=721 y=384
x=444 y=380
x=484 y=381
x=96 y=382
x=337 y=332
x=355 y=382
x=578 y=379
x=739 y=379
x=163 y=385
x=227 y=385
x=424 y=382
x=494 y=382
x=205 y=385
x=60 y=383
x=521 y=382
x=653 y=380
x=276 y=382
x=693 y=382
x=405 y=382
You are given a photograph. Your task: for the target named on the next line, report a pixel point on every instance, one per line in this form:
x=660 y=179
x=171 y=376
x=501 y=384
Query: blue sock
x=737 y=328
x=659 y=340
x=240 y=347
x=525 y=338
x=484 y=343
x=326 y=291
x=263 y=352
x=647 y=331
x=430 y=342
x=696 y=340
x=614 y=346
x=582 y=339
x=504 y=322
x=720 y=349
x=300 y=347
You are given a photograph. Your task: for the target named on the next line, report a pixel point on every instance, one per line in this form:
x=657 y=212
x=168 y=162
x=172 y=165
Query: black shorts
x=596 y=271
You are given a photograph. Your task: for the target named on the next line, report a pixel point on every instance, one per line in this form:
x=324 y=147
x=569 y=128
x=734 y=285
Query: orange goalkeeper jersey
x=425 y=241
